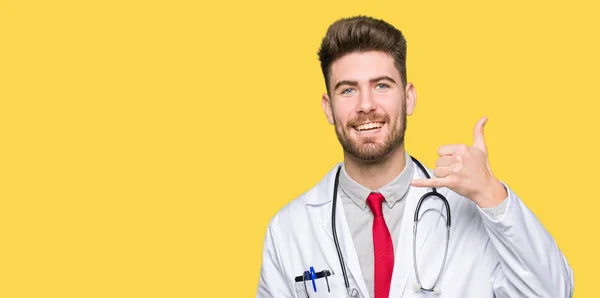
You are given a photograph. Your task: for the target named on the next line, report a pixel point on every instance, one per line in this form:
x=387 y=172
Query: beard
x=367 y=149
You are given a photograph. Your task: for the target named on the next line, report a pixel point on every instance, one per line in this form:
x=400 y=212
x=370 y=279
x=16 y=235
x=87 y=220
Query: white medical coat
x=513 y=256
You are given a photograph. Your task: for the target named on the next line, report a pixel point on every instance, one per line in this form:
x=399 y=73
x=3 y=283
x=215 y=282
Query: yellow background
x=144 y=145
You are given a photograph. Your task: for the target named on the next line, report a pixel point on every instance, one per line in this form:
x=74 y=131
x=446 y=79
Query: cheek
x=391 y=104
x=342 y=112
x=393 y=110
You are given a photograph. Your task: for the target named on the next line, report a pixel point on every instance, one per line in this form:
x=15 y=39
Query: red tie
x=384 y=249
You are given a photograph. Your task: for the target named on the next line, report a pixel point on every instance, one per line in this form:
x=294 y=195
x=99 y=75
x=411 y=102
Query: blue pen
x=313 y=277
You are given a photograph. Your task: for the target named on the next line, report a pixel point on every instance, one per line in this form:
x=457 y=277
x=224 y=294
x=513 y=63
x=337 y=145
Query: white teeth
x=371 y=125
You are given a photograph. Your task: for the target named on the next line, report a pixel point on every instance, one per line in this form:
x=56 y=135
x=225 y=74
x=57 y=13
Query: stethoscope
x=433 y=193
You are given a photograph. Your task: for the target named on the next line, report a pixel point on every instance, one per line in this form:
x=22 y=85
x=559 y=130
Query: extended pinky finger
x=432 y=182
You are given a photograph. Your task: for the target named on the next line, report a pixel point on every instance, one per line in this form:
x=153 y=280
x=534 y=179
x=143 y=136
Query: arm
x=527 y=259
x=272 y=281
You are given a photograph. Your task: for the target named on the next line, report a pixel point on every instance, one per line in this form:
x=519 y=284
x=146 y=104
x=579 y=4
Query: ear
x=411 y=98
x=326 y=105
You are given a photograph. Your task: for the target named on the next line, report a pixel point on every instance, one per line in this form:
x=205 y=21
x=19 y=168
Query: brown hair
x=361 y=34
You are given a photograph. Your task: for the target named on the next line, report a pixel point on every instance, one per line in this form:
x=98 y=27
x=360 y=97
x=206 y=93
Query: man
x=496 y=248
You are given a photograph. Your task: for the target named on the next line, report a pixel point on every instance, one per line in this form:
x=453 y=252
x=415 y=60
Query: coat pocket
x=333 y=286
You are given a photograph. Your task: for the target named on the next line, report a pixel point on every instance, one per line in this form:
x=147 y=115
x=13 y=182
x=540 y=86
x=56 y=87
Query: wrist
x=493 y=196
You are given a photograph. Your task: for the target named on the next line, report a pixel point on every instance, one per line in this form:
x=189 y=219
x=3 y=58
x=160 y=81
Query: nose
x=366 y=102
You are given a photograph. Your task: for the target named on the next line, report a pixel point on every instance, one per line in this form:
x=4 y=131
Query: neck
x=374 y=175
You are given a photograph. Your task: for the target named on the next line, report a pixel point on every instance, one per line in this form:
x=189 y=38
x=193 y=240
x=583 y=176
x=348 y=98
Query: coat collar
x=323 y=193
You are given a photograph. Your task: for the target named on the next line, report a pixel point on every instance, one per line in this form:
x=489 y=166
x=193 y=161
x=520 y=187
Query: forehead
x=362 y=66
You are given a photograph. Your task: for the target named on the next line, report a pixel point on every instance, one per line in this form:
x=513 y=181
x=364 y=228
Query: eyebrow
x=355 y=83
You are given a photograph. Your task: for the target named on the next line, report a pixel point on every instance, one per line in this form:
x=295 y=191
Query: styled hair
x=361 y=34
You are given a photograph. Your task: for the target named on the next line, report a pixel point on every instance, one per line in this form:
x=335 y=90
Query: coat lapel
x=324 y=197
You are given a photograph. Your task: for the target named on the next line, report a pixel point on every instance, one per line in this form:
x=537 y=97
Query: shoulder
x=297 y=210
x=292 y=210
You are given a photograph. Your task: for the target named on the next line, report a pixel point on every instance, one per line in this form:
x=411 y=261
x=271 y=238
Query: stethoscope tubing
x=416 y=220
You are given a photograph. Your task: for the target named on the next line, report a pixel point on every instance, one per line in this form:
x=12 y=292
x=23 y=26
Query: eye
x=381 y=86
x=347 y=91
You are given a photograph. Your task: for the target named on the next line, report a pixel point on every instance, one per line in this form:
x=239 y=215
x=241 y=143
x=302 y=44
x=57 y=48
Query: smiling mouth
x=369 y=126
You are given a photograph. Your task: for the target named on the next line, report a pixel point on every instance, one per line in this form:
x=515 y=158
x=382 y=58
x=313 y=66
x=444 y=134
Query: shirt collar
x=393 y=192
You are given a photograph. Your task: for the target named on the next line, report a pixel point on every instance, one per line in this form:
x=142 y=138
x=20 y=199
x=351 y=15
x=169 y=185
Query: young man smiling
x=497 y=247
